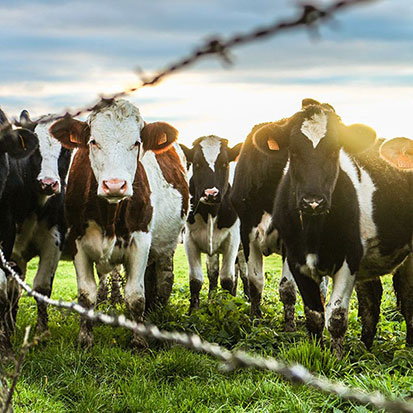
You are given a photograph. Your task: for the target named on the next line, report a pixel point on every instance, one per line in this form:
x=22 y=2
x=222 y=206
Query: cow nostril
x=211 y=192
x=114 y=186
x=313 y=204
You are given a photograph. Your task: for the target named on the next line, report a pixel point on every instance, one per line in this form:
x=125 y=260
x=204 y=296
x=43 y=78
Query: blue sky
x=62 y=54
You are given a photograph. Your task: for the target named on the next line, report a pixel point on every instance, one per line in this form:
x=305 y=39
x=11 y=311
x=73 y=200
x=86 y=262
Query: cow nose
x=313 y=205
x=50 y=185
x=211 y=193
x=114 y=187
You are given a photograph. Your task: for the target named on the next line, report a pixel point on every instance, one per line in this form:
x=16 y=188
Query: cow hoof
x=85 y=340
x=255 y=312
x=138 y=343
x=290 y=326
x=338 y=347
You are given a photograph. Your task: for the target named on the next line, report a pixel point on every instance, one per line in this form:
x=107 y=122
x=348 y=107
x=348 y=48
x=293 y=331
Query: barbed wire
x=308 y=16
x=231 y=360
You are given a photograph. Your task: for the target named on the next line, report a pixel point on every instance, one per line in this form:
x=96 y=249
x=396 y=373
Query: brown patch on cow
x=174 y=173
x=82 y=204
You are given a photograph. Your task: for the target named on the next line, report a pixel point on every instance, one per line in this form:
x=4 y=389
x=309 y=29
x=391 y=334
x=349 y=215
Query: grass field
x=57 y=376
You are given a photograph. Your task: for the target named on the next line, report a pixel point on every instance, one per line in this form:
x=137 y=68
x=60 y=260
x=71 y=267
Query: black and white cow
x=14 y=144
x=38 y=190
x=212 y=226
x=342 y=213
x=257 y=176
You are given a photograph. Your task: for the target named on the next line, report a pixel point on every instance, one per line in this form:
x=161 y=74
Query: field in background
x=57 y=376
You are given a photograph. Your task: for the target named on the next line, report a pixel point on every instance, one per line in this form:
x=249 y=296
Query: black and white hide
x=38 y=191
x=212 y=226
x=340 y=212
x=14 y=144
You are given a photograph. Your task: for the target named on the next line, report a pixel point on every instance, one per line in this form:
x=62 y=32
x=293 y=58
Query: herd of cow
x=117 y=190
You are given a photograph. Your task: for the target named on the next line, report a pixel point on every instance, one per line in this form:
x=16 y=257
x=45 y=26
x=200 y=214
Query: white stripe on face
x=315 y=128
x=211 y=147
x=49 y=148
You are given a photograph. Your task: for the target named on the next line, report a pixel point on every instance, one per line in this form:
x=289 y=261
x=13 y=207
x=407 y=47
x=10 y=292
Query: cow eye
x=93 y=143
x=135 y=145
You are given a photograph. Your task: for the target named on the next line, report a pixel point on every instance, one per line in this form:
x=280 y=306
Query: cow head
x=314 y=137
x=50 y=162
x=209 y=158
x=113 y=136
x=398 y=152
x=18 y=142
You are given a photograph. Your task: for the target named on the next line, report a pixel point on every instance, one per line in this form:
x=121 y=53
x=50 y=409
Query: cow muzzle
x=311 y=205
x=211 y=196
x=114 y=190
x=49 y=186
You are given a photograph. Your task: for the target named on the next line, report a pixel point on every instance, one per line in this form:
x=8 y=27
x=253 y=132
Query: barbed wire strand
x=232 y=360
x=308 y=16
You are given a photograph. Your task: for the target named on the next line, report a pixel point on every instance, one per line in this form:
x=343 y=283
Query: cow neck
x=204 y=210
x=174 y=173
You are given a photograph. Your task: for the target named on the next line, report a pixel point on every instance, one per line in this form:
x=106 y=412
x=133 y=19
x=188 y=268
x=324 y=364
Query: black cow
x=212 y=226
x=14 y=144
x=257 y=176
x=340 y=214
x=37 y=191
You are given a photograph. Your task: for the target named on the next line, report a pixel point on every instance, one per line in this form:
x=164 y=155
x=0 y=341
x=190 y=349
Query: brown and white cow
x=126 y=203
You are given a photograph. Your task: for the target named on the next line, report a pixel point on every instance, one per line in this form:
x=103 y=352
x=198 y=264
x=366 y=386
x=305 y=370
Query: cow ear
x=18 y=143
x=234 y=152
x=158 y=136
x=271 y=137
x=189 y=153
x=71 y=133
x=398 y=152
x=26 y=122
x=356 y=138
x=308 y=102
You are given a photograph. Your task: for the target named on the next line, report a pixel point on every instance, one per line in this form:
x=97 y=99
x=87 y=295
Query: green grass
x=57 y=376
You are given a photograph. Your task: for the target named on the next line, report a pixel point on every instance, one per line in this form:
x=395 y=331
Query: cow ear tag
x=162 y=139
x=272 y=145
x=74 y=139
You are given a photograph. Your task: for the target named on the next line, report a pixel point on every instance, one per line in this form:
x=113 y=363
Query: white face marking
x=115 y=130
x=49 y=148
x=315 y=128
x=365 y=189
x=211 y=146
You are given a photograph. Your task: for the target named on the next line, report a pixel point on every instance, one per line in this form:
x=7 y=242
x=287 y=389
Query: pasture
x=57 y=376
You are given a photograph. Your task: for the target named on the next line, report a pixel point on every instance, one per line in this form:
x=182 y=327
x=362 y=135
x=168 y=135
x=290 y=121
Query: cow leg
x=369 y=298
x=255 y=278
x=212 y=264
x=337 y=308
x=5 y=344
x=164 y=278
x=397 y=282
x=103 y=289
x=242 y=270
x=196 y=277
x=288 y=295
x=116 y=286
x=135 y=266
x=229 y=256
x=406 y=296
x=150 y=286
x=43 y=281
x=313 y=302
x=86 y=294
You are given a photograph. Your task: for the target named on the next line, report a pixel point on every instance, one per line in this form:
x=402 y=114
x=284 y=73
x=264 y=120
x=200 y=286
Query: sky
x=59 y=55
